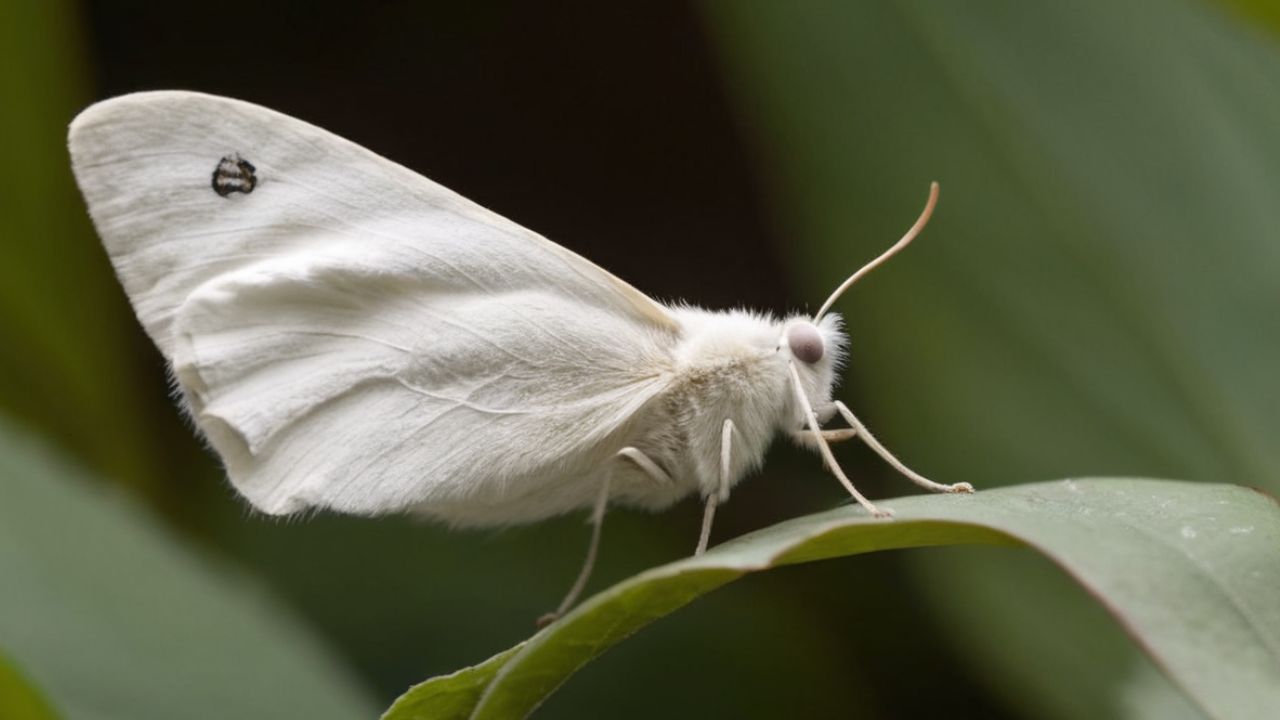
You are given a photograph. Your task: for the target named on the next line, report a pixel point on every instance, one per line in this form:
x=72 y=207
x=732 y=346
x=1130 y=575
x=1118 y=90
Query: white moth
x=351 y=336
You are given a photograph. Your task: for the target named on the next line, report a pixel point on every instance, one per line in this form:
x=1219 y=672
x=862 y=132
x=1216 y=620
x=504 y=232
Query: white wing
x=351 y=335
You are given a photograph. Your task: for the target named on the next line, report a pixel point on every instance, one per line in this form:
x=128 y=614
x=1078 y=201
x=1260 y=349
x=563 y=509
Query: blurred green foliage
x=115 y=619
x=19 y=700
x=62 y=314
x=1094 y=296
x=1263 y=12
x=1097 y=291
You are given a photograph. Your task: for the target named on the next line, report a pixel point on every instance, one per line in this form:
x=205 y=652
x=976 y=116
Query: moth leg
x=825 y=449
x=597 y=521
x=880 y=450
x=653 y=470
x=722 y=492
x=650 y=467
x=805 y=437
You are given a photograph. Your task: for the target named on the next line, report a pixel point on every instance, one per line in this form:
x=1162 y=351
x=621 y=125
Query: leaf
x=1096 y=293
x=452 y=695
x=19 y=700
x=1189 y=570
x=63 y=317
x=113 y=618
x=1263 y=12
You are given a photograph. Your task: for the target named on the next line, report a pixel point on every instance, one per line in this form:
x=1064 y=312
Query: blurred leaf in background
x=115 y=619
x=1262 y=12
x=1097 y=292
x=19 y=699
x=65 y=368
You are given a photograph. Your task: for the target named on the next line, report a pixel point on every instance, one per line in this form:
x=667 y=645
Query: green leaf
x=451 y=696
x=1097 y=292
x=65 y=325
x=114 y=619
x=1189 y=570
x=19 y=699
x=1263 y=12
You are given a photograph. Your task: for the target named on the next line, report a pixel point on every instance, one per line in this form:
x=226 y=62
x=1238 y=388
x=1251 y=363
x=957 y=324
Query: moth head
x=816 y=349
x=814 y=345
x=805 y=342
x=817 y=352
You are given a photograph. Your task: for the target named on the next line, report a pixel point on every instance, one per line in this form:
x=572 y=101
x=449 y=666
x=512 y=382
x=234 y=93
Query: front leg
x=811 y=419
x=897 y=464
x=804 y=438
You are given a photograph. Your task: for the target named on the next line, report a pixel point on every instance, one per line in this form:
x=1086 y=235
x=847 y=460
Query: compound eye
x=805 y=342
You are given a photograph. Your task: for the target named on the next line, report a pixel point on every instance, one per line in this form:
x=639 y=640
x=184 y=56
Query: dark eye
x=805 y=342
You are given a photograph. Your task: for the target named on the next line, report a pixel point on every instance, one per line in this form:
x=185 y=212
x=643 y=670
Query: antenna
x=906 y=240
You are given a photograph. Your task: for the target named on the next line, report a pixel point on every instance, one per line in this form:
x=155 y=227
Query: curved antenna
x=906 y=240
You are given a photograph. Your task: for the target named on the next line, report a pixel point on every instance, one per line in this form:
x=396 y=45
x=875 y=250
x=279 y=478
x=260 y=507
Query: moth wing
x=351 y=335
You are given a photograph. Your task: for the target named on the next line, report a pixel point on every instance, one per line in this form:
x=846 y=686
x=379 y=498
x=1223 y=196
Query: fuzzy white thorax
x=734 y=365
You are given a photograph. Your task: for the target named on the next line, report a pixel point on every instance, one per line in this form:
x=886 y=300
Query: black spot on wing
x=234 y=174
